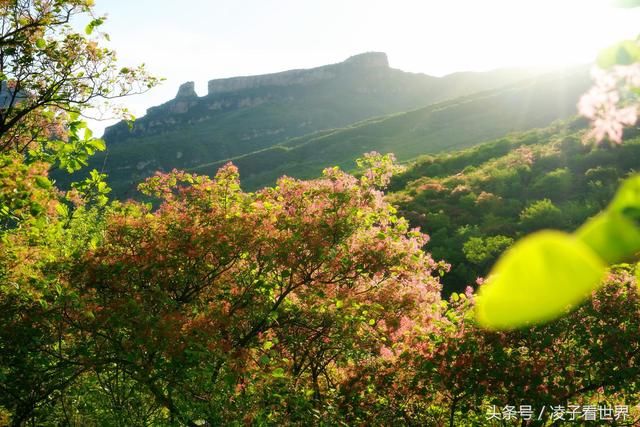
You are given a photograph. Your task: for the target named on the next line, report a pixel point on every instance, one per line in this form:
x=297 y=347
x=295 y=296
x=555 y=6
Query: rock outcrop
x=369 y=60
x=187 y=90
x=185 y=99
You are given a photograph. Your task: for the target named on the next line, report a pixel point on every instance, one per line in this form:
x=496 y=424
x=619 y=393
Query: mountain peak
x=369 y=59
x=187 y=90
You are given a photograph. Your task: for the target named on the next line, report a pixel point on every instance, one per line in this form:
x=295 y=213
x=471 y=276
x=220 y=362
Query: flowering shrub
x=220 y=299
x=611 y=104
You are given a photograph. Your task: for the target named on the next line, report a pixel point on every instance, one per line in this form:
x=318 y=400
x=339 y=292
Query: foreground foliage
x=307 y=303
x=188 y=305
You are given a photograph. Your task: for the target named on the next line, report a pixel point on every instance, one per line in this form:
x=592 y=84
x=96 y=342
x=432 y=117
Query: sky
x=199 y=40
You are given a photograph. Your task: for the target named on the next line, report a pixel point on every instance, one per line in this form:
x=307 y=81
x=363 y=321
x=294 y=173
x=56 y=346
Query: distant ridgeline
x=242 y=115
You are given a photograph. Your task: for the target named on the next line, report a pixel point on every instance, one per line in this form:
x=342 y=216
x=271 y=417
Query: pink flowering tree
x=612 y=103
x=222 y=302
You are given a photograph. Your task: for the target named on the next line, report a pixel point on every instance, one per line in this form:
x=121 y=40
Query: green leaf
x=628 y=196
x=615 y=233
x=623 y=53
x=538 y=279
x=102 y=200
x=92 y=25
x=267 y=345
x=278 y=373
x=43 y=182
x=62 y=210
x=613 y=236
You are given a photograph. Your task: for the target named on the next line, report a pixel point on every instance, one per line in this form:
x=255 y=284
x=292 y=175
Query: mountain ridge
x=236 y=92
x=450 y=125
x=368 y=60
x=248 y=114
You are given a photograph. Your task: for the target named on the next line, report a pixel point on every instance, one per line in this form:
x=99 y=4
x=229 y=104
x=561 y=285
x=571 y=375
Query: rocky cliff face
x=298 y=77
x=246 y=92
x=185 y=99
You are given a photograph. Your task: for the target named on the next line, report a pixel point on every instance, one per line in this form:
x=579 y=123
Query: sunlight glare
x=501 y=33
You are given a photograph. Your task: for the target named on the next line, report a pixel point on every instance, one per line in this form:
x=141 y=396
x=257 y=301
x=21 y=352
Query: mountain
x=241 y=115
x=445 y=126
x=476 y=202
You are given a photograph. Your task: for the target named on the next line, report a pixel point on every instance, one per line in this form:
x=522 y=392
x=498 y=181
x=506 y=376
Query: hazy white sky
x=204 y=39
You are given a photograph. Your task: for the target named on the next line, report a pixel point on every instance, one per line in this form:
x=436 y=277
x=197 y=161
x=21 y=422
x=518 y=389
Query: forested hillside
x=446 y=126
x=476 y=202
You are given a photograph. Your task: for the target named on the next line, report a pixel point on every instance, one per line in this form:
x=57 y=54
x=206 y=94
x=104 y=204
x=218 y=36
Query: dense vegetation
x=308 y=303
x=476 y=202
x=311 y=302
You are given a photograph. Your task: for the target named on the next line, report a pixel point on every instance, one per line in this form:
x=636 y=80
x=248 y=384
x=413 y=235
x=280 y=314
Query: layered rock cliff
x=364 y=61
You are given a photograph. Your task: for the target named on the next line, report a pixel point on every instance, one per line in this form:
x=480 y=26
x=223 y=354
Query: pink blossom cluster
x=525 y=156
x=611 y=104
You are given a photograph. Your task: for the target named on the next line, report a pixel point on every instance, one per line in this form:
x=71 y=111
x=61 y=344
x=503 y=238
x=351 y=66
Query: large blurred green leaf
x=539 y=278
x=612 y=235
x=615 y=233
